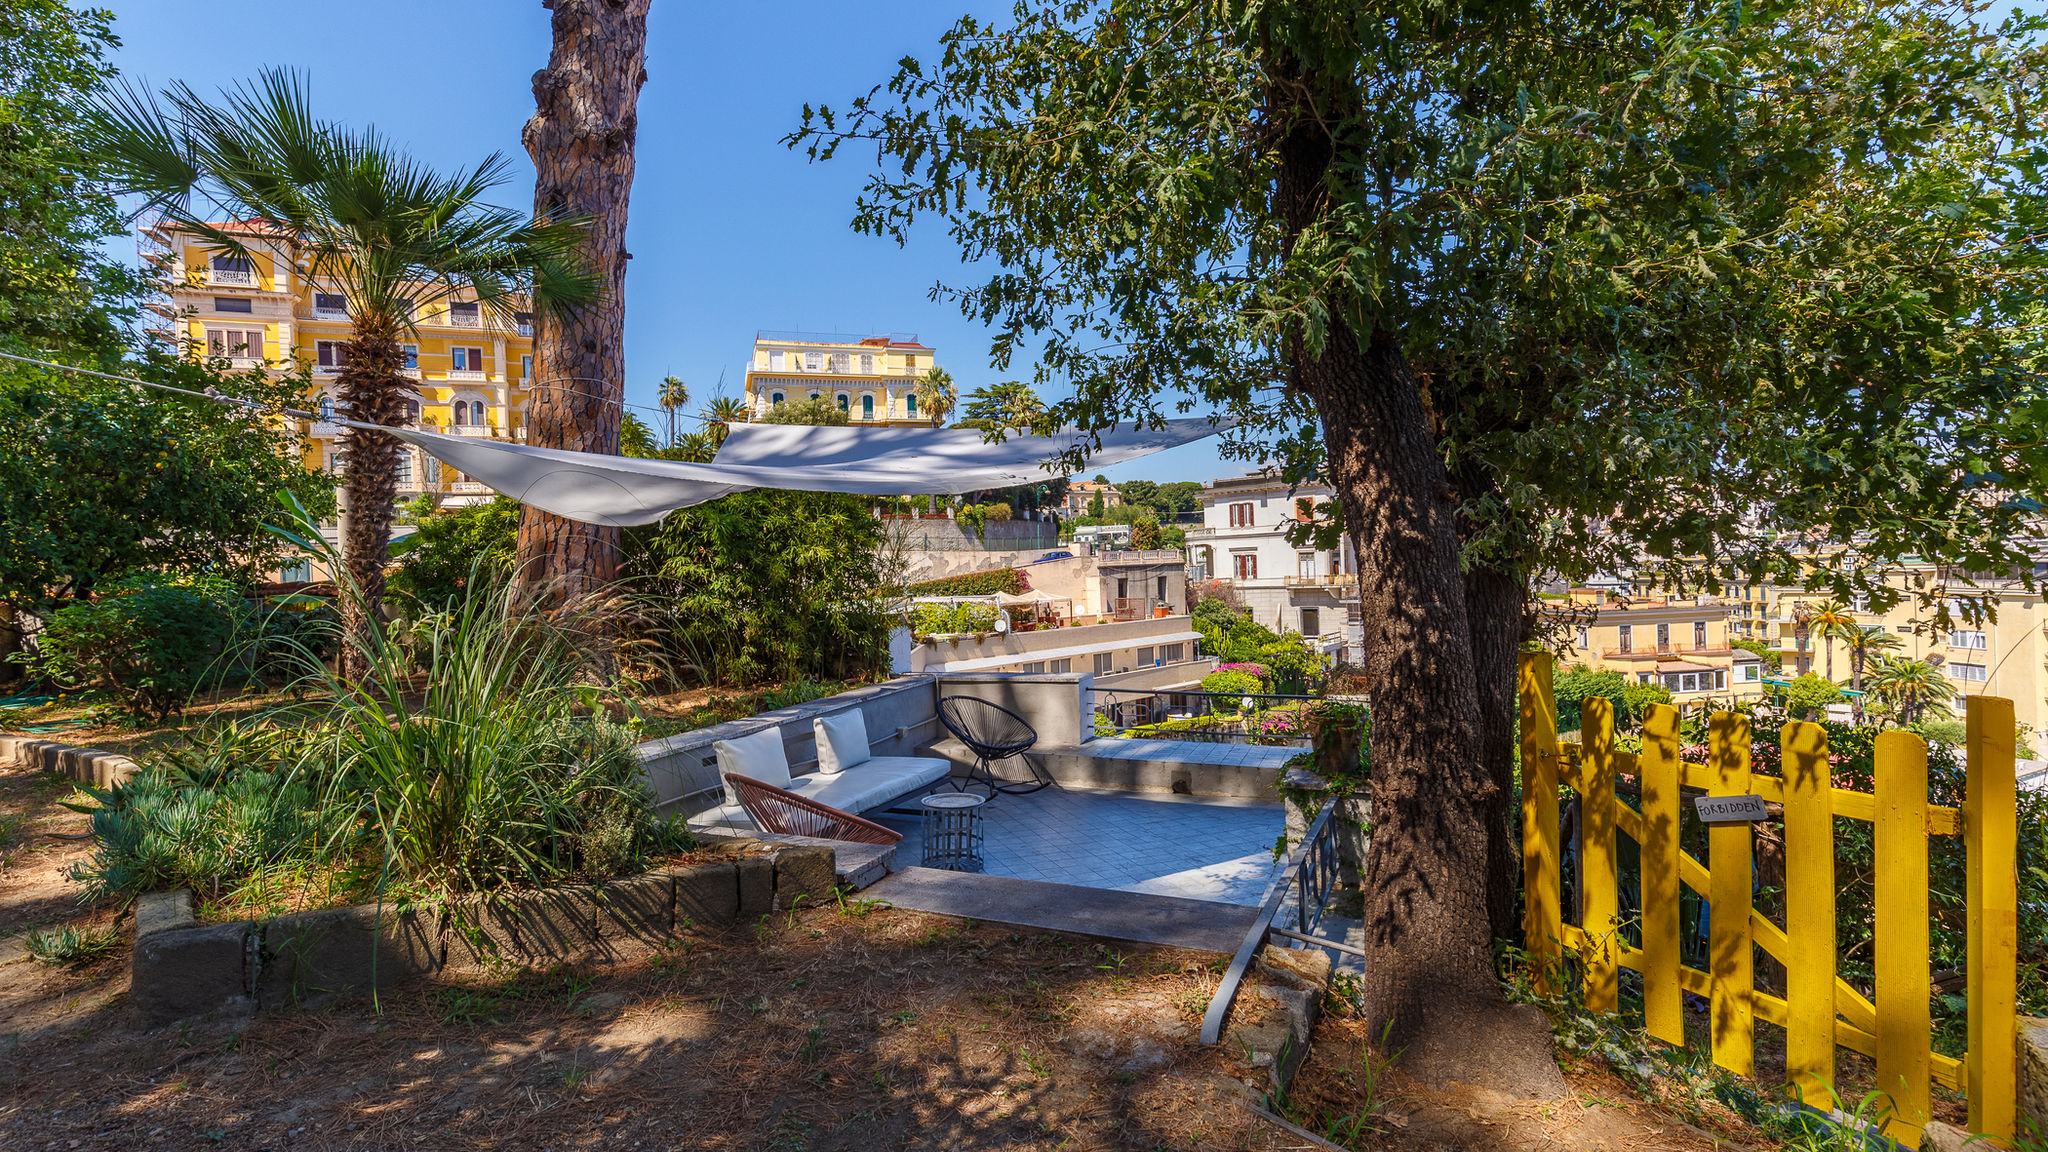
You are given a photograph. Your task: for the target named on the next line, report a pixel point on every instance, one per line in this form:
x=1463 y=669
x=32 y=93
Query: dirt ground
x=839 y=1028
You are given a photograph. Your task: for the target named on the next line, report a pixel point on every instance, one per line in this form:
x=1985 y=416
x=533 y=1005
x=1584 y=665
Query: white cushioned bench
x=849 y=777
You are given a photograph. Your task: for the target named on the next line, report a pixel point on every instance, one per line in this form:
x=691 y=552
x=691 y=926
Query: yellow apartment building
x=471 y=370
x=1685 y=644
x=873 y=379
x=1994 y=644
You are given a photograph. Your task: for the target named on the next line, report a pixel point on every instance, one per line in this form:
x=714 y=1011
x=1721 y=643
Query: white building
x=1287 y=587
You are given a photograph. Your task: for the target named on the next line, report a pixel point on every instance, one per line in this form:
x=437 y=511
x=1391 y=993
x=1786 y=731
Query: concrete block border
x=181 y=969
x=89 y=766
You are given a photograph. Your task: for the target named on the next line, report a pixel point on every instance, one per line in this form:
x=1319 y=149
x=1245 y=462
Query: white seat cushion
x=842 y=741
x=873 y=783
x=724 y=818
x=757 y=757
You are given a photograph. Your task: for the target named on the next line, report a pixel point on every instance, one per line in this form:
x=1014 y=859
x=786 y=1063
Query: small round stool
x=952 y=831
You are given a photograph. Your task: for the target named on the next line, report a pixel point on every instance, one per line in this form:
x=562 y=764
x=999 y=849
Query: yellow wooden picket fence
x=1819 y=1011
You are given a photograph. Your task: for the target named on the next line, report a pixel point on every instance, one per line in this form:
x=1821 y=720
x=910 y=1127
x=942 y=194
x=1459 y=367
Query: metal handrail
x=1262 y=925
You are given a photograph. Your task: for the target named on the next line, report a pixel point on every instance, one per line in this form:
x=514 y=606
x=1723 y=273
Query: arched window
x=412 y=411
x=476 y=413
x=326 y=408
x=461 y=414
x=775 y=398
x=843 y=401
x=867 y=407
x=910 y=404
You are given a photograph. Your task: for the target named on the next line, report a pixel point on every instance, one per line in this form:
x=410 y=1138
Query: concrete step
x=1133 y=917
x=1123 y=764
x=854 y=866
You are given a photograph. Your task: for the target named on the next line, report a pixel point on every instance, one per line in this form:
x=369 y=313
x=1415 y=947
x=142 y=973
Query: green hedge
x=1011 y=580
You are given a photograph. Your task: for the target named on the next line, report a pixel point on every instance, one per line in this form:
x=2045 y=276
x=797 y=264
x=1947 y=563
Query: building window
x=1305 y=564
x=1699 y=634
x=1663 y=637
x=1146 y=659
x=815 y=394
x=1247 y=565
x=233 y=304
x=867 y=407
x=1720 y=678
x=1966 y=639
x=468 y=359
x=1241 y=515
x=1036 y=666
x=405 y=468
x=1642 y=677
x=412 y=355
x=844 y=402
x=464 y=314
x=522 y=323
x=842 y=362
x=330 y=353
x=910 y=361
x=775 y=361
x=1971 y=672
x=1063 y=665
x=813 y=361
x=910 y=404
x=526 y=367
x=1173 y=653
x=1626 y=641
x=1103 y=663
x=330 y=302
x=233 y=264
x=1160 y=593
x=1311 y=622
x=867 y=363
x=411 y=409
x=775 y=399
x=239 y=343
x=1751 y=673
x=298 y=572
x=326 y=407
x=1585 y=637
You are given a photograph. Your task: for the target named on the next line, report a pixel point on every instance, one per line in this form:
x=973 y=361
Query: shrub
x=1145 y=534
x=151 y=640
x=1579 y=684
x=1639 y=697
x=1772 y=658
x=1810 y=694
x=768 y=585
x=1010 y=580
x=948 y=619
x=451 y=548
x=1232 y=684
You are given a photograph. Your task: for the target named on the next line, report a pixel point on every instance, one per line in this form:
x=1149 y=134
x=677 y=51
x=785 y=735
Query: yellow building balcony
x=231 y=277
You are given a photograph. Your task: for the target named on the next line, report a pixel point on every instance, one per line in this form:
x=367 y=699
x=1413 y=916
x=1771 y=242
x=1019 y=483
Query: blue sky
x=730 y=231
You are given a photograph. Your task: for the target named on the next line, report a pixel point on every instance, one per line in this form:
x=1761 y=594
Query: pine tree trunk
x=581 y=139
x=371 y=390
x=1494 y=604
x=1429 y=976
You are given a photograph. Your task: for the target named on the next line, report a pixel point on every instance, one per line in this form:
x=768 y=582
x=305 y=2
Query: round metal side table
x=952 y=831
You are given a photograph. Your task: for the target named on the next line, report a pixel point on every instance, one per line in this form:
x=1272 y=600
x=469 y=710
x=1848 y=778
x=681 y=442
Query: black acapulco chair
x=993 y=733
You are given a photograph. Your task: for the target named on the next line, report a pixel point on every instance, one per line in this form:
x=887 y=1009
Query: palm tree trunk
x=581 y=139
x=371 y=390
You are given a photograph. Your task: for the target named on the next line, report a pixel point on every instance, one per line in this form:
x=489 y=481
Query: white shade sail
x=620 y=491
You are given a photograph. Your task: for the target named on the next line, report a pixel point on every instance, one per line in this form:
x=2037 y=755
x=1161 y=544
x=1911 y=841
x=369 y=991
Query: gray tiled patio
x=1206 y=848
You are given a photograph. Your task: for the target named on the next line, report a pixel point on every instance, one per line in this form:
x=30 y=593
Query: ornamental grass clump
x=476 y=751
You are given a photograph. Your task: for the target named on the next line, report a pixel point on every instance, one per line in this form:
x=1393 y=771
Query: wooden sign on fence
x=1819 y=1011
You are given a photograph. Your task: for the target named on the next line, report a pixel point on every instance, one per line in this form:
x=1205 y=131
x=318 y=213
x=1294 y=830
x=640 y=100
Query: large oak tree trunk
x=581 y=140
x=1429 y=974
x=371 y=390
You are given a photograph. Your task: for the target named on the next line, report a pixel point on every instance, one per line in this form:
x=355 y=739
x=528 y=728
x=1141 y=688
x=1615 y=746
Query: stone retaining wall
x=183 y=969
x=85 y=765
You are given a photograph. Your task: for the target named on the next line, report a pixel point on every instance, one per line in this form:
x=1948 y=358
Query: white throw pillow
x=757 y=757
x=842 y=741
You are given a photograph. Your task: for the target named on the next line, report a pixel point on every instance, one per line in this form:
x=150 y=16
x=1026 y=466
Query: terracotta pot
x=1160 y=612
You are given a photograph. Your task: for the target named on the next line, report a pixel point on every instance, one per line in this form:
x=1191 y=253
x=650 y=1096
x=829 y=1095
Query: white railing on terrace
x=465 y=374
x=231 y=277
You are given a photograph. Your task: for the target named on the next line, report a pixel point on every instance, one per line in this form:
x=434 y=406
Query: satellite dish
x=1002 y=620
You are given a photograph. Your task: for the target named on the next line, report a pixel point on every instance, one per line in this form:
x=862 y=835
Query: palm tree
x=724 y=412
x=1831 y=620
x=393 y=236
x=1912 y=689
x=936 y=395
x=697 y=447
x=1866 y=642
x=1802 y=632
x=673 y=395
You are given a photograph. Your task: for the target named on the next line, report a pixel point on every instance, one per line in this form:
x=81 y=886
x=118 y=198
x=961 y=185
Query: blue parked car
x=1054 y=556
